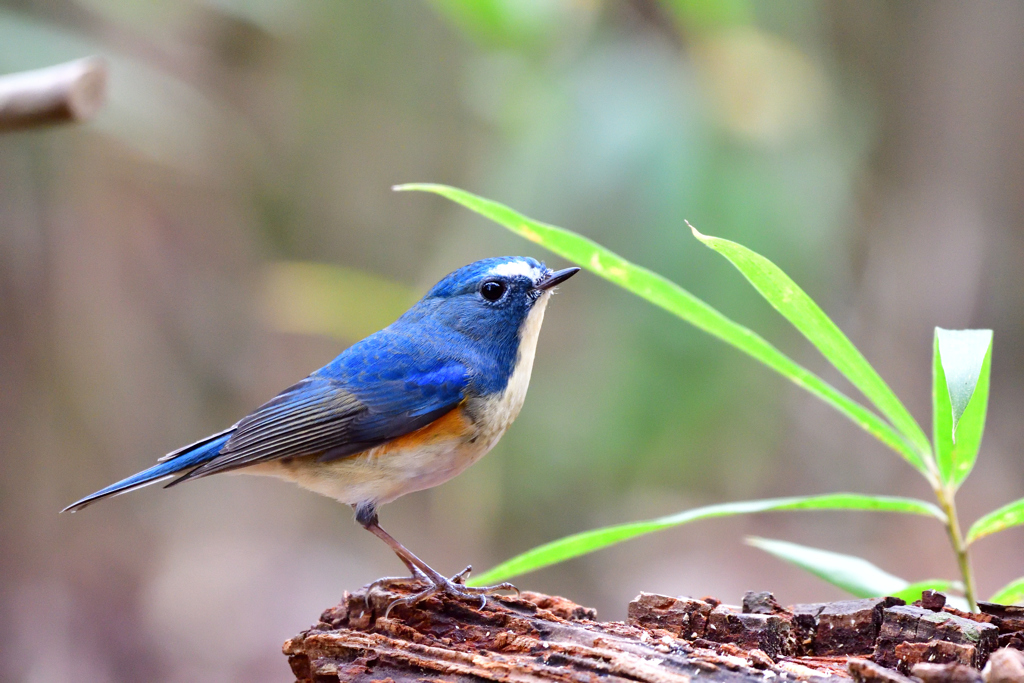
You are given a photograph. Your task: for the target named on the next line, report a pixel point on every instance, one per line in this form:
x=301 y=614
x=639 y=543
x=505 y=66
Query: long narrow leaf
x=854 y=575
x=596 y=539
x=1010 y=594
x=796 y=306
x=960 y=380
x=913 y=592
x=1005 y=517
x=673 y=298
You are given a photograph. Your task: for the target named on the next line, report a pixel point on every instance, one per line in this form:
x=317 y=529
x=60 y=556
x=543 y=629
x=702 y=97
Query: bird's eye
x=492 y=290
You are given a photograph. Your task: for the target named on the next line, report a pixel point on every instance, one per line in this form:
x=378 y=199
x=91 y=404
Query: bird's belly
x=427 y=457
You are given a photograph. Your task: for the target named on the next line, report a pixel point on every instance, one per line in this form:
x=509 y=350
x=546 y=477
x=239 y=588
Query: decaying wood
x=946 y=673
x=1006 y=665
x=64 y=93
x=665 y=639
x=946 y=637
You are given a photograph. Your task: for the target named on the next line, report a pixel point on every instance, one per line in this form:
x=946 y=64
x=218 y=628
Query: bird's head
x=492 y=299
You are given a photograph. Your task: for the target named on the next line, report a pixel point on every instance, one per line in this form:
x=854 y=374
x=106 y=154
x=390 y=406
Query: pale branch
x=65 y=93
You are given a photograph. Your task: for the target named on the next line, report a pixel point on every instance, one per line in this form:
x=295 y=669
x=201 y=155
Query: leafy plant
x=960 y=387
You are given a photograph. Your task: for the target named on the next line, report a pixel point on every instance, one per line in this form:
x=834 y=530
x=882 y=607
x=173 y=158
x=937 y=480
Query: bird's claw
x=461 y=577
x=417 y=577
x=454 y=587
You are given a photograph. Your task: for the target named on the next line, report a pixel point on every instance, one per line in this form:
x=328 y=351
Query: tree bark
x=535 y=638
x=530 y=638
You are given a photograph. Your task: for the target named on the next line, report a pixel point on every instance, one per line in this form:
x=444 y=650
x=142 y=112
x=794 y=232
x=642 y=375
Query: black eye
x=492 y=290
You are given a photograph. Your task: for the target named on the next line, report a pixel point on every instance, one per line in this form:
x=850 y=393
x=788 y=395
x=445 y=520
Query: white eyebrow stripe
x=510 y=268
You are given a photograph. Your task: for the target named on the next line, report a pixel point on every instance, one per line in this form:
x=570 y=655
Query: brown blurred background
x=225 y=226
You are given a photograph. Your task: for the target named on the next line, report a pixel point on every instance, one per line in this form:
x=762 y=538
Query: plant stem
x=956 y=538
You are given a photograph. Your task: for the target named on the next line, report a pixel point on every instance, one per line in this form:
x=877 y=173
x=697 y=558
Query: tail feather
x=187 y=458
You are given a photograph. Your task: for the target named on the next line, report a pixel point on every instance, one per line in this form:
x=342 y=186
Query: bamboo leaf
x=673 y=298
x=913 y=592
x=1005 y=517
x=596 y=539
x=796 y=306
x=854 y=575
x=960 y=386
x=1010 y=594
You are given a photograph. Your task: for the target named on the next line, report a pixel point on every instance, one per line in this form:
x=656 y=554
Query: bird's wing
x=342 y=410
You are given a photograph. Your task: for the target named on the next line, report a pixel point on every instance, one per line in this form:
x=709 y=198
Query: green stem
x=956 y=538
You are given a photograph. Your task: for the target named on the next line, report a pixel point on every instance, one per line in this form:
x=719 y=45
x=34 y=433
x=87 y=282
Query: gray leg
x=415 y=575
x=366 y=515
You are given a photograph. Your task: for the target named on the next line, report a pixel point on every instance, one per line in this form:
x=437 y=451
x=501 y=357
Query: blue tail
x=174 y=463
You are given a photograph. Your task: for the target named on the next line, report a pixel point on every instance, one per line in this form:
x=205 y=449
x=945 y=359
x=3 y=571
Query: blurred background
x=226 y=226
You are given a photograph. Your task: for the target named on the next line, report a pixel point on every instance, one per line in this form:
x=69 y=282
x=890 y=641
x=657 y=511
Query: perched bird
x=405 y=409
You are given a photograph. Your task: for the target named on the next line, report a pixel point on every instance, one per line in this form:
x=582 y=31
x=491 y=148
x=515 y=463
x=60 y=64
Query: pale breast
x=495 y=413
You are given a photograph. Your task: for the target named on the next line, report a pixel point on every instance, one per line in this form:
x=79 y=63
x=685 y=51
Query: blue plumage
x=404 y=409
x=192 y=456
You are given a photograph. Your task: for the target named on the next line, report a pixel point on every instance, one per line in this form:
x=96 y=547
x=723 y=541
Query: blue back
x=451 y=337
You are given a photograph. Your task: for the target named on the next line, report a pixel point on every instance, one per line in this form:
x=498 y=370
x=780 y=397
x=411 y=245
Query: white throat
x=499 y=411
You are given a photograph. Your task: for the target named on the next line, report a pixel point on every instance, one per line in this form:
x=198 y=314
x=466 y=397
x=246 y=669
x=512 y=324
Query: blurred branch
x=65 y=93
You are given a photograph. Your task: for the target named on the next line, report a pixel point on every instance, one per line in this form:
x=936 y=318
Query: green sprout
x=960 y=388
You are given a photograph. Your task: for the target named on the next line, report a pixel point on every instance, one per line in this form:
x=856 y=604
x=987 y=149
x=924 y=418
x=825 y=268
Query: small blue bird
x=405 y=409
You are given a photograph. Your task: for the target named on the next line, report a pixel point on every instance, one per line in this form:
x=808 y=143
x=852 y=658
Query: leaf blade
x=667 y=295
x=586 y=542
x=913 y=592
x=961 y=370
x=854 y=575
x=798 y=308
x=1010 y=594
x=1010 y=515
x=963 y=353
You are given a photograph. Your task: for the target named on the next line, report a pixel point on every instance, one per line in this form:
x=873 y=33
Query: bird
x=405 y=409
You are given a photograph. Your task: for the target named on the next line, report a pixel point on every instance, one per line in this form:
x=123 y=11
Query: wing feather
x=359 y=401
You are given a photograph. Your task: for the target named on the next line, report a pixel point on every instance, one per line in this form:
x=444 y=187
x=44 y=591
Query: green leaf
x=854 y=575
x=961 y=362
x=913 y=592
x=673 y=298
x=798 y=308
x=596 y=539
x=963 y=354
x=1010 y=594
x=1005 y=517
x=505 y=24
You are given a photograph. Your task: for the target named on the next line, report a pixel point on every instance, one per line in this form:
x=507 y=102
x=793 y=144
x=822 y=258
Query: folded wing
x=350 y=406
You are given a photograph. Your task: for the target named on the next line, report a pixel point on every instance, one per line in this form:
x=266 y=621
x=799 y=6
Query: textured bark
x=534 y=637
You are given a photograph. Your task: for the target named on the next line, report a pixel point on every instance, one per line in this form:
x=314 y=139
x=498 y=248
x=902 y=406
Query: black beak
x=556 y=278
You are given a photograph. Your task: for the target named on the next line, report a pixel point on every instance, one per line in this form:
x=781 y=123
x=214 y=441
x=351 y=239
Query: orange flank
x=452 y=426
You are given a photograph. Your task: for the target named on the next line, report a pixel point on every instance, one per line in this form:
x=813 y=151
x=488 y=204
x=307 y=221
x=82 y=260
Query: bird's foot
x=390 y=581
x=454 y=587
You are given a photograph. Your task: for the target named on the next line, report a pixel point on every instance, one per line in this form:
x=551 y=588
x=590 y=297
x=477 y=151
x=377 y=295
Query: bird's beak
x=558 y=277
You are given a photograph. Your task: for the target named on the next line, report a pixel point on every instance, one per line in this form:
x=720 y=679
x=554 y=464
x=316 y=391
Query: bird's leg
x=415 y=575
x=454 y=587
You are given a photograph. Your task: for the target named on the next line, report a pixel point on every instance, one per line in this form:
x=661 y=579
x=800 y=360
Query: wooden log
x=864 y=671
x=666 y=639
x=946 y=673
x=1005 y=665
x=64 y=93
x=530 y=638
x=908 y=624
x=850 y=626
